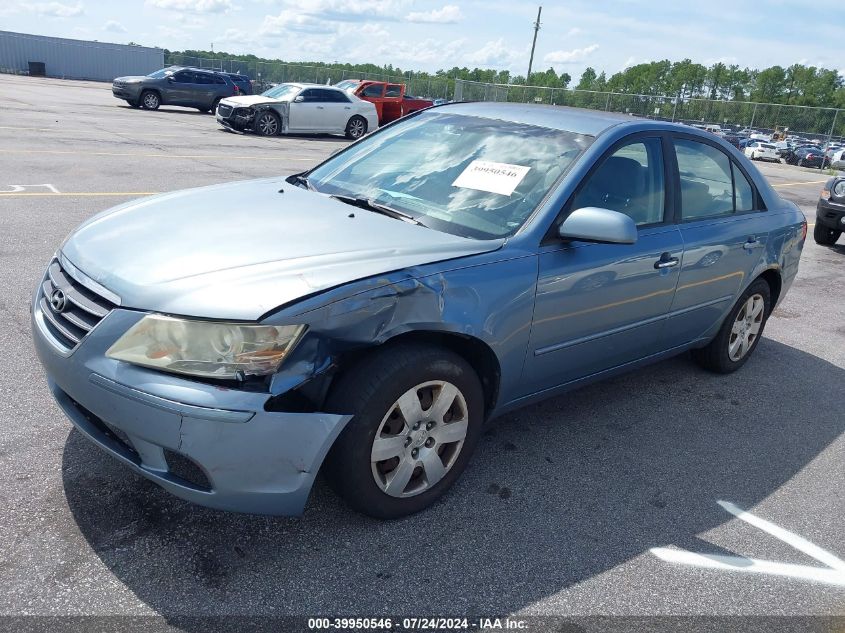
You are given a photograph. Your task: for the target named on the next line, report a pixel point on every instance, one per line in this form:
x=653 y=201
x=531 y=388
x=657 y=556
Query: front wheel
x=825 y=236
x=150 y=100
x=740 y=332
x=753 y=156
x=267 y=123
x=418 y=414
x=356 y=127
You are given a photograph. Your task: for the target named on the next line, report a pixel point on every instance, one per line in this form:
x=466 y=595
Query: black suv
x=830 y=212
x=176 y=85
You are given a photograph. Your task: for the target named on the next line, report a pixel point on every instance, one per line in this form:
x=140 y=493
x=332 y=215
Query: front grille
x=224 y=110
x=70 y=309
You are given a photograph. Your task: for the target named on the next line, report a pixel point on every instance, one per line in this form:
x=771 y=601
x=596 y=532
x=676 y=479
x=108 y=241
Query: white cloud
x=114 y=26
x=497 y=54
x=58 y=10
x=449 y=14
x=349 y=10
x=569 y=57
x=629 y=62
x=573 y=32
x=193 y=6
x=290 y=20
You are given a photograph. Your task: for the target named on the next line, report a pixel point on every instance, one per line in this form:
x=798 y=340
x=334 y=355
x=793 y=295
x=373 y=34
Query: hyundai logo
x=58 y=300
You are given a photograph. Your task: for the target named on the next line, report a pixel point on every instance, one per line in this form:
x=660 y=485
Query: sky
x=433 y=34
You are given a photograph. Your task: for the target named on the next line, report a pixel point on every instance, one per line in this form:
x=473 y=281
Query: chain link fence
x=810 y=122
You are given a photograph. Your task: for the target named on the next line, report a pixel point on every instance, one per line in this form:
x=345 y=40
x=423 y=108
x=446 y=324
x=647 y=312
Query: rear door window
x=393 y=90
x=706 y=180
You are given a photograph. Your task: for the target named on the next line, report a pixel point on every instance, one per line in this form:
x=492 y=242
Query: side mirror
x=594 y=224
x=298 y=99
x=170 y=79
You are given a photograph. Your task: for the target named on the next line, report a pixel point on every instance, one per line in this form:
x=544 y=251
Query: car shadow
x=169 y=110
x=555 y=494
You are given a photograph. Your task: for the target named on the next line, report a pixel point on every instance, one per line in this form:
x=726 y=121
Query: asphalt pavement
x=568 y=507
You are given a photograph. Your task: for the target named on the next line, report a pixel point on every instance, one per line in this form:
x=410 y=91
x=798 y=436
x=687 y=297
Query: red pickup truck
x=390 y=99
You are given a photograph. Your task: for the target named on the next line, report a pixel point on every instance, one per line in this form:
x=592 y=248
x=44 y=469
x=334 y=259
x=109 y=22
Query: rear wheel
x=825 y=236
x=150 y=100
x=214 y=106
x=356 y=127
x=267 y=123
x=740 y=332
x=418 y=414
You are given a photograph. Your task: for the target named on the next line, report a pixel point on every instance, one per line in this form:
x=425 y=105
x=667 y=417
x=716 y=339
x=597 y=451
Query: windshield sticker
x=485 y=175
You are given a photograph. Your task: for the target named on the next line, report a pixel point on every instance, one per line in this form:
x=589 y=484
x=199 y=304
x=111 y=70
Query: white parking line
x=24 y=188
x=834 y=574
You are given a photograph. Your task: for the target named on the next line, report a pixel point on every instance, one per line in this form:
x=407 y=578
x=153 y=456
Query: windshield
x=160 y=73
x=464 y=175
x=281 y=91
x=347 y=84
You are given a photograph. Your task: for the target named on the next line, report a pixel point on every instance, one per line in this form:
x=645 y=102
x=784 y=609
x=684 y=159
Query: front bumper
x=831 y=214
x=208 y=444
x=129 y=91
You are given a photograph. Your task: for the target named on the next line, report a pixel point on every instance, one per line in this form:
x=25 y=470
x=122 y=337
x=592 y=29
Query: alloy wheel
x=268 y=125
x=746 y=327
x=356 y=128
x=419 y=439
x=150 y=101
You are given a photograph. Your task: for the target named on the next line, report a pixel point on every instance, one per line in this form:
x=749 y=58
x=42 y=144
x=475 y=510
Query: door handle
x=347 y=107
x=320 y=107
x=751 y=243
x=666 y=261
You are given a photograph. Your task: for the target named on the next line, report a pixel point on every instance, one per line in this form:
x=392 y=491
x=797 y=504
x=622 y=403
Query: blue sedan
x=367 y=317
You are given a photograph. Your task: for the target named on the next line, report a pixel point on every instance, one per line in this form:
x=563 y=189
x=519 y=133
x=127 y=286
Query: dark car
x=176 y=85
x=243 y=83
x=830 y=212
x=808 y=157
x=733 y=139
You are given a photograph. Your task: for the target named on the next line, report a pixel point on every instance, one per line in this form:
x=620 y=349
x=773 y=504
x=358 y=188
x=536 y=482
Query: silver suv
x=176 y=85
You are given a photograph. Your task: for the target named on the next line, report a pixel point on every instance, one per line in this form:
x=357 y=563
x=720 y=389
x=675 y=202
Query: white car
x=762 y=151
x=837 y=159
x=299 y=108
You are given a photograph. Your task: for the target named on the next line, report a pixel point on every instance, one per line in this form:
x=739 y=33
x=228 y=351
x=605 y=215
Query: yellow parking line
x=138 y=155
x=798 y=184
x=8 y=194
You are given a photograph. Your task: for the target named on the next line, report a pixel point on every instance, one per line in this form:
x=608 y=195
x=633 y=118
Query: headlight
x=839 y=189
x=206 y=348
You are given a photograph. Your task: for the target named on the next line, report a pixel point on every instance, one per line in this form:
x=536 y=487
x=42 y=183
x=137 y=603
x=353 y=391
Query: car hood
x=239 y=250
x=130 y=78
x=248 y=100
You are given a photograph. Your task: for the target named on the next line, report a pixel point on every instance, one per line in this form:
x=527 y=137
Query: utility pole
x=533 y=44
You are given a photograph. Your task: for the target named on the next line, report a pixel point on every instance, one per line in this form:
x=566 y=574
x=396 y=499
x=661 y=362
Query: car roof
x=565 y=118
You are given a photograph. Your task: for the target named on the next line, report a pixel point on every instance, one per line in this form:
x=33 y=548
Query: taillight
x=237 y=90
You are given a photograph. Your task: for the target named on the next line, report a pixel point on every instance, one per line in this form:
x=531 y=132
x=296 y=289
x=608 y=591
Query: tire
x=825 y=236
x=150 y=100
x=418 y=374
x=753 y=156
x=214 y=106
x=800 y=162
x=720 y=355
x=356 y=127
x=267 y=123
